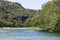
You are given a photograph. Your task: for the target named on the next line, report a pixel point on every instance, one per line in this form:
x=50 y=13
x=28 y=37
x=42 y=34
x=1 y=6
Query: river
x=28 y=35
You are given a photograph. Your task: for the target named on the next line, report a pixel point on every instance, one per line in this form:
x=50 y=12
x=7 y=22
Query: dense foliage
x=12 y=14
x=48 y=18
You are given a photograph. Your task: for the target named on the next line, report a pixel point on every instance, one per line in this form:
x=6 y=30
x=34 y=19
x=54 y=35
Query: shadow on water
x=46 y=33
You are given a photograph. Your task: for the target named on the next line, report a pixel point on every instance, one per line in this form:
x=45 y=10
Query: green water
x=28 y=35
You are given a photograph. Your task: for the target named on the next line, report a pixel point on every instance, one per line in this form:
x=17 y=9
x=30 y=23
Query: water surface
x=28 y=35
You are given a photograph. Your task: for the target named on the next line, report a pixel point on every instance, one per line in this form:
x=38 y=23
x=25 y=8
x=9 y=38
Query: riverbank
x=24 y=28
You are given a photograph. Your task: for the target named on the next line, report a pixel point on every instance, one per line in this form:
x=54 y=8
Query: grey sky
x=32 y=4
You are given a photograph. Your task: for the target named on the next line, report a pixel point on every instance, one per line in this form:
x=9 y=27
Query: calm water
x=28 y=35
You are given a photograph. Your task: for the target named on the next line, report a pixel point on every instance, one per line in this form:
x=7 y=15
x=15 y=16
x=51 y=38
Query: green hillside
x=13 y=14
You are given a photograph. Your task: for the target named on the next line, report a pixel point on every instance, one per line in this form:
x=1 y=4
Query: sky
x=31 y=4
